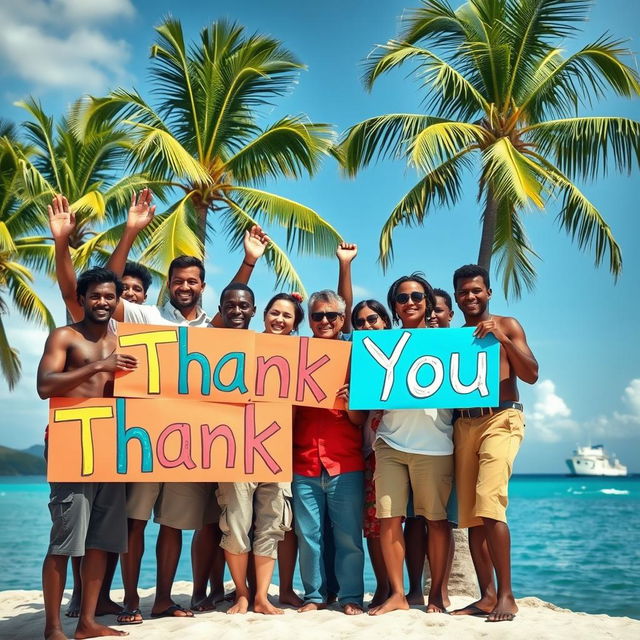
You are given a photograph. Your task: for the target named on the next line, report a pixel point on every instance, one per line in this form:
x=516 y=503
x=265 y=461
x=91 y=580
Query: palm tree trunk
x=488 y=231
x=201 y=219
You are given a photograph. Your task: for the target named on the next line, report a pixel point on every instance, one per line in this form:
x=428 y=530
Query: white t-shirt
x=167 y=314
x=424 y=431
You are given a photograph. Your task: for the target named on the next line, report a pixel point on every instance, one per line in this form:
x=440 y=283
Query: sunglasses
x=331 y=316
x=371 y=320
x=415 y=296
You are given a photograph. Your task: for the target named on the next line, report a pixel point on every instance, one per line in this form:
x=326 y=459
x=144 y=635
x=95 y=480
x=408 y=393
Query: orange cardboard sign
x=225 y=365
x=144 y=440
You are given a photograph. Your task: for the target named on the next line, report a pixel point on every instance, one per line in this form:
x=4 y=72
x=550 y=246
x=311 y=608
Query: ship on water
x=595 y=461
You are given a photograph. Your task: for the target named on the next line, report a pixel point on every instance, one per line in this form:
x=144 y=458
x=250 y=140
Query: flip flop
x=128 y=614
x=169 y=612
x=474 y=611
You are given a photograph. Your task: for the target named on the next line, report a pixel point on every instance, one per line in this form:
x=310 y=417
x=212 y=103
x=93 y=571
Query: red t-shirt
x=325 y=438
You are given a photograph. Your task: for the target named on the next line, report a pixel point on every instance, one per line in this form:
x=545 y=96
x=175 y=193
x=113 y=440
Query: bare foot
x=504 y=611
x=478 y=608
x=73 y=608
x=290 y=597
x=312 y=606
x=54 y=634
x=436 y=606
x=107 y=607
x=352 y=609
x=264 y=606
x=381 y=594
x=394 y=602
x=205 y=604
x=95 y=630
x=415 y=597
x=241 y=605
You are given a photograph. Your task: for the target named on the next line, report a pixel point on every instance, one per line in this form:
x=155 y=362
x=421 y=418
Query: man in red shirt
x=328 y=481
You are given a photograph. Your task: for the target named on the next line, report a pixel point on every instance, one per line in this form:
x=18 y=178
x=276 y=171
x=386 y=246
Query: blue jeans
x=340 y=498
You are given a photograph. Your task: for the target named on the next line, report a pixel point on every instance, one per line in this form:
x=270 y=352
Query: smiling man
x=486 y=443
x=254 y=515
x=88 y=519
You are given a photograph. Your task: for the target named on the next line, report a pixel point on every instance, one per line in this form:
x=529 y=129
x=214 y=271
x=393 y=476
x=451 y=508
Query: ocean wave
x=615 y=492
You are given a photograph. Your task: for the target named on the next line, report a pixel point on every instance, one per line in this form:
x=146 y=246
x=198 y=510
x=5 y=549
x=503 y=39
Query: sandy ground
x=22 y=618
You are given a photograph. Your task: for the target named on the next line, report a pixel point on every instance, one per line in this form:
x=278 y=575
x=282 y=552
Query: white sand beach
x=21 y=618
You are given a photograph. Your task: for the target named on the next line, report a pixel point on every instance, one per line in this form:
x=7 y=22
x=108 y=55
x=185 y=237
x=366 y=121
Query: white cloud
x=58 y=45
x=550 y=420
x=620 y=424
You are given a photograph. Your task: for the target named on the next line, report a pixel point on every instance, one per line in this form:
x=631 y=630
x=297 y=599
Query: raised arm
x=255 y=242
x=140 y=214
x=53 y=380
x=62 y=222
x=345 y=253
x=512 y=338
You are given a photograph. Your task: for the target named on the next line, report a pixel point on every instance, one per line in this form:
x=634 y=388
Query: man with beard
x=88 y=519
x=179 y=506
x=486 y=443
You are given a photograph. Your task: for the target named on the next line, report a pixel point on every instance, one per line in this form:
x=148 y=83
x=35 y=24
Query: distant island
x=29 y=462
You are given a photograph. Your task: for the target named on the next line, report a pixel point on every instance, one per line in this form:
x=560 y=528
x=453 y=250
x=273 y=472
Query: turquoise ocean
x=575 y=541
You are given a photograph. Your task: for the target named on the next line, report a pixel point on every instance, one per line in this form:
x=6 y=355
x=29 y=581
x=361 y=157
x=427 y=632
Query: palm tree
x=15 y=279
x=87 y=169
x=202 y=138
x=505 y=97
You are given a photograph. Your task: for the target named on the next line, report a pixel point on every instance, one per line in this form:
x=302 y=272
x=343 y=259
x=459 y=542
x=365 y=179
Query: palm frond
x=512 y=175
x=18 y=281
x=584 y=147
x=306 y=230
x=174 y=235
x=156 y=146
x=514 y=253
x=442 y=186
x=289 y=147
x=9 y=358
x=558 y=85
x=380 y=137
x=237 y=222
x=532 y=24
x=442 y=140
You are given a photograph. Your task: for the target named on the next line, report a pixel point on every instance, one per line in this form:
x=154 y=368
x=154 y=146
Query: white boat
x=595 y=461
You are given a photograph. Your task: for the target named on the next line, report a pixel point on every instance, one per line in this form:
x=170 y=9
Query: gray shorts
x=87 y=515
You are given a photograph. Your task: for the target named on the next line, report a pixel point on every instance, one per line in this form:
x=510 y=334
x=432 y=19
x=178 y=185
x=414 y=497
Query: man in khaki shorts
x=486 y=443
x=261 y=505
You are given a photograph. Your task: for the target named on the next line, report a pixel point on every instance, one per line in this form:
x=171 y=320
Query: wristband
x=249 y=264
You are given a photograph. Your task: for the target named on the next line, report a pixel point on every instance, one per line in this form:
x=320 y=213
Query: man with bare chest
x=88 y=519
x=486 y=443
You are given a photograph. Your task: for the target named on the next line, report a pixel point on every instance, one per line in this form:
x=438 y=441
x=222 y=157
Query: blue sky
x=581 y=326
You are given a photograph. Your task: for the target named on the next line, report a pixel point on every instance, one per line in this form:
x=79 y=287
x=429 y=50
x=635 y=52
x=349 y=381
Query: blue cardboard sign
x=424 y=369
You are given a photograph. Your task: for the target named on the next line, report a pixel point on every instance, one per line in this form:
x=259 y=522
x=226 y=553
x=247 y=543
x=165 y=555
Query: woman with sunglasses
x=328 y=480
x=370 y=315
x=414 y=452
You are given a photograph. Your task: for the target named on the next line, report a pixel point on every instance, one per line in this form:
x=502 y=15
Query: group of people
x=355 y=473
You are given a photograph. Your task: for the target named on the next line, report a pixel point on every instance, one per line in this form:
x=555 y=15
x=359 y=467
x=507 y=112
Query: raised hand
x=141 y=211
x=346 y=252
x=119 y=362
x=62 y=221
x=255 y=243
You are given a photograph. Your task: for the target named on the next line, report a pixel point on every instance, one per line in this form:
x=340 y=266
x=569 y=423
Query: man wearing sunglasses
x=328 y=481
x=487 y=441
